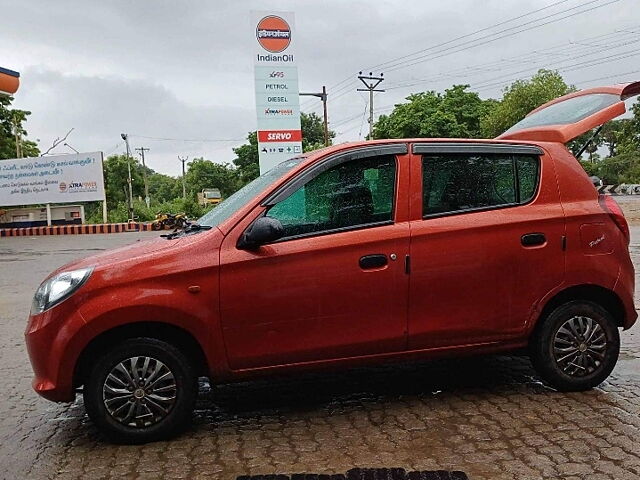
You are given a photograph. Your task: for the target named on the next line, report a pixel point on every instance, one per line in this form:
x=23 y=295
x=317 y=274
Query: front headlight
x=57 y=288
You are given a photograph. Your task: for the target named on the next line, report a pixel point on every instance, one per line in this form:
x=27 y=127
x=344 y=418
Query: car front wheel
x=142 y=390
x=576 y=347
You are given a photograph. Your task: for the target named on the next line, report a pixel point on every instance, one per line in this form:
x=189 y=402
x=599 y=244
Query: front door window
x=350 y=195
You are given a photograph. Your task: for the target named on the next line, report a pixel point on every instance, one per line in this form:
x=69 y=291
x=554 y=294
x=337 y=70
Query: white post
x=48 y=214
x=104 y=211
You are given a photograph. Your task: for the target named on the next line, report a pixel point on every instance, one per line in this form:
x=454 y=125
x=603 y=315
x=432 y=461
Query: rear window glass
x=568 y=111
x=459 y=182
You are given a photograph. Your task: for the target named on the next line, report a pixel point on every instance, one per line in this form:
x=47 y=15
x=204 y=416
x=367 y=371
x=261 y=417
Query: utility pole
x=125 y=137
x=323 y=96
x=144 y=176
x=371 y=83
x=184 y=185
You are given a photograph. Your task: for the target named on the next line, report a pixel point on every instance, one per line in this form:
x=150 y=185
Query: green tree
x=629 y=140
x=246 y=160
x=613 y=133
x=204 y=173
x=623 y=168
x=116 y=173
x=457 y=113
x=163 y=188
x=9 y=119
x=520 y=98
x=313 y=131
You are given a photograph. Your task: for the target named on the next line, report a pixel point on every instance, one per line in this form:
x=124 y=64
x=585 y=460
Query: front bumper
x=50 y=344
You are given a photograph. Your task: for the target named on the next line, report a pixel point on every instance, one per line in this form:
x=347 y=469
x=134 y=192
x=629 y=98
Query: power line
x=569 y=68
x=406 y=58
x=386 y=65
x=199 y=140
x=556 y=49
x=471 y=44
x=444 y=75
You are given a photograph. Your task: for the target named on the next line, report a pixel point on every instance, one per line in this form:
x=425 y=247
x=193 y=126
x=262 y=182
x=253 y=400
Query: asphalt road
x=489 y=416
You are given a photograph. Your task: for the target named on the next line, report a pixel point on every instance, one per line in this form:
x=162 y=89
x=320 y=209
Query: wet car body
x=426 y=275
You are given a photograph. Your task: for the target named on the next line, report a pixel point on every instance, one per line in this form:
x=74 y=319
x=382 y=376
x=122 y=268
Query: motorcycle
x=168 y=221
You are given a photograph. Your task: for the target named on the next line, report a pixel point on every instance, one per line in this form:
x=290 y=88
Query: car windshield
x=232 y=204
x=568 y=111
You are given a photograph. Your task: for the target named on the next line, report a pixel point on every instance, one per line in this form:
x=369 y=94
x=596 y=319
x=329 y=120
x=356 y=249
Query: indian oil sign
x=273 y=34
x=276 y=87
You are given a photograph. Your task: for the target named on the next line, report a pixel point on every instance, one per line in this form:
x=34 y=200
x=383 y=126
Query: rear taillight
x=610 y=206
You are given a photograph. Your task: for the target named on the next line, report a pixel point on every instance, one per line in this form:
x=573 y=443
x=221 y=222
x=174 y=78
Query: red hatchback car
x=358 y=253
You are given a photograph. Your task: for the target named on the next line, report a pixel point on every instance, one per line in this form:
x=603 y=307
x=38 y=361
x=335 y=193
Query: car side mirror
x=264 y=230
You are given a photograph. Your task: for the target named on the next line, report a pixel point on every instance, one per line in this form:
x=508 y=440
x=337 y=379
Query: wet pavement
x=488 y=416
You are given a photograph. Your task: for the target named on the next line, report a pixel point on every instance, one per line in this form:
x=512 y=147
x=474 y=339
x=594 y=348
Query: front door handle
x=373 y=261
x=532 y=239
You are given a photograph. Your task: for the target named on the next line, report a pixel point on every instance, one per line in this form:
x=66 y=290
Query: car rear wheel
x=141 y=391
x=576 y=347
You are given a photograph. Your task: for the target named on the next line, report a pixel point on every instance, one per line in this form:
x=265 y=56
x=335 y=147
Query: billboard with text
x=51 y=179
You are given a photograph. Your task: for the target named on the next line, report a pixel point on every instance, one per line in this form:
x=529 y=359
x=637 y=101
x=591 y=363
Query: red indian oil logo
x=273 y=34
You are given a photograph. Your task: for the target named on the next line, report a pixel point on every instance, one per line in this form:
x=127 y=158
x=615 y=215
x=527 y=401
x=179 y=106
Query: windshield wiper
x=190 y=227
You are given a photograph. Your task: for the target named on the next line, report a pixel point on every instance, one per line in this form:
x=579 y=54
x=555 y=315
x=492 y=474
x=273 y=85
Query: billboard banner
x=51 y=179
x=276 y=85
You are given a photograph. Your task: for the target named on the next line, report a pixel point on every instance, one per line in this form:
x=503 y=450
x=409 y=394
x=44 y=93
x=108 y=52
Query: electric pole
x=144 y=175
x=371 y=83
x=125 y=137
x=184 y=185
x=323 y=96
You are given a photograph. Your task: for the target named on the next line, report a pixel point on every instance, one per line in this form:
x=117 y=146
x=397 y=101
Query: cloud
x=100 y=108
x=184 y=69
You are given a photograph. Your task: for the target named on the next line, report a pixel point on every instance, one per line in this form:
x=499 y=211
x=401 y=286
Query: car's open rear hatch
x=568 y=117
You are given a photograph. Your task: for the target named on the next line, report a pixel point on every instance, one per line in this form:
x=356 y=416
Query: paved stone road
x=489 y=417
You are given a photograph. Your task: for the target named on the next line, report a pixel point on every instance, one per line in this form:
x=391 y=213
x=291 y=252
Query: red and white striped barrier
x=76 y=229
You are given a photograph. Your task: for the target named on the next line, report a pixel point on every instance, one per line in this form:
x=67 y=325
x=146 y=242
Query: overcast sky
x=184 y=70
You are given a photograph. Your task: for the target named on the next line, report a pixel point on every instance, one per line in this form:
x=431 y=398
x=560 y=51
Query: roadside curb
x=76 y=229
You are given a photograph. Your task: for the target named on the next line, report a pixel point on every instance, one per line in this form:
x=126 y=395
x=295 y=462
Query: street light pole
x=322 y=96
x=125 y=137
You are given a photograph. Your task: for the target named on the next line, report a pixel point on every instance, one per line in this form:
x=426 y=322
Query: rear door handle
x=532 y=239
x=369 y=262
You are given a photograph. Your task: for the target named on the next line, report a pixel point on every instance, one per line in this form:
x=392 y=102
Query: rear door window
x=458 y=182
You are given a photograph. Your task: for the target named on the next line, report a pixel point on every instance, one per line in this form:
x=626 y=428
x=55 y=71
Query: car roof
x=392 y=141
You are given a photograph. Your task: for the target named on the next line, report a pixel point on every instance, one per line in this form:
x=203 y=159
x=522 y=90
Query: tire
x=157 y=226
x=162 y=413
x=576 y=347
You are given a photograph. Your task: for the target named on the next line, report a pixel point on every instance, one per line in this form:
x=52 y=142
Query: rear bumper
x=624 y=288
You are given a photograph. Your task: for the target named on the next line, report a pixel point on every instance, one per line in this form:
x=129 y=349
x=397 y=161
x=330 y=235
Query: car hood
x=140 y=249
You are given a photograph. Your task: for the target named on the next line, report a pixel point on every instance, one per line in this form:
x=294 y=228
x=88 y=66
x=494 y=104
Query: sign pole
x=48 y=214
x=104 y=200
